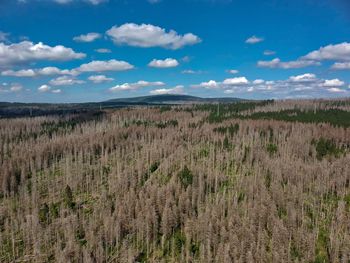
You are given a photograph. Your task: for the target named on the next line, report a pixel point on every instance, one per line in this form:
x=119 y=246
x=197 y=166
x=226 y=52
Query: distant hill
x=15 y=109
x=170 y=99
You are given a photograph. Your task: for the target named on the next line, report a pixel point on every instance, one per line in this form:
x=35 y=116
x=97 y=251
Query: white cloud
x=16 y=87
x=333 y=83
x=93 y=2
x=258 y=81
x=26 y=52
x=44 y=88
x=295 y=86
x=277 y=63
x=226 y=84
x=232 y=71
x=338 y=52
x=147 y=35
x=110 y=65
x=19 y=73
x=56 y=91
x=99 y=78
x=47 y=71
x=269 y=52
x=254 y=40
x=211 y=84
x=103 y=50
x=65 y=81
x=341 y=65
x=190 y=71
x=236 y=81
x=308 y=77
x=94 y=66
x=176 y=90
x=89 y=37
x=166 y=63
x=336 y=90
x=154 y=1
x=136 y=85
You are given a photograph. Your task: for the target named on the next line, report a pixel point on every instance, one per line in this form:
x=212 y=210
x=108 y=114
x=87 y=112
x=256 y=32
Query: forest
x=248 y=181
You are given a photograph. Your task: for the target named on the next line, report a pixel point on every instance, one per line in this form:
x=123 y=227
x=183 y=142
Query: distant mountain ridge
x=171 y=99
x=15 y=109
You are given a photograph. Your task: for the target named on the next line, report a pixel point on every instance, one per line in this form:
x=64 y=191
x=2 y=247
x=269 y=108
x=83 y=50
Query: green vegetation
x=68 y=197
x=271 y=149
x=231 y=130
x=185 y=176
x=334 y=117
x=220 y=112
x=325 y=147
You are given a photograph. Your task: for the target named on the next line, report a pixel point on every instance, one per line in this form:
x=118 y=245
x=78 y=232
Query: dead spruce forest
x=263 y=181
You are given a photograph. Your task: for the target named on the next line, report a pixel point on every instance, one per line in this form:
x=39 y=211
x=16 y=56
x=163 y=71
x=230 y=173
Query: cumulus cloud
x=333 y=83
x=304 y=84
x=93 y=66
x=166 y=63
x=99 y=78
x=65 y=81
x=147 y=35
x=211 y=84
x=254 y=40
x=277 y=63
x=19 y=73
x=176 y=90
x=338 y=52
x=136 y=85
x=99 y=66
x=27 y=52
x=89 y=37
x=341 y=65
x=44 y=88
x=236 y=81
x=258 y=81
x=47 y=71
x=308 y=77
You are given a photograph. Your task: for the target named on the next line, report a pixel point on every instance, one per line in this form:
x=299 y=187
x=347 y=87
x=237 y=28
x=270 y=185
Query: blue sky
x=93 y=50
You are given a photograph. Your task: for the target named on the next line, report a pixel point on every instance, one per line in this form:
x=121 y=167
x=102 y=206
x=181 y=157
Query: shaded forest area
x=265 y=181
